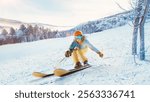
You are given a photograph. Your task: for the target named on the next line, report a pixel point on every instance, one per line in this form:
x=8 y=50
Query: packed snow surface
x=19 y=61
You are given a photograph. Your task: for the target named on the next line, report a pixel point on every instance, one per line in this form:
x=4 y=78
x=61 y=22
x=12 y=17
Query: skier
x=79 y=47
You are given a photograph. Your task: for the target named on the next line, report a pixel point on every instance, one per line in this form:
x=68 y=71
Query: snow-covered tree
x=12 y=32
x=35 y=31
x=141 y=12
x=13 y=37
x=29 y=33
x=4 y=32
x=138 y=11
x=22 y=27
x=142 y=32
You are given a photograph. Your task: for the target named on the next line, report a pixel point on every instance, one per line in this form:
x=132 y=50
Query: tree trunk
x=136 y=26
x=142 y=41
x=135 y=34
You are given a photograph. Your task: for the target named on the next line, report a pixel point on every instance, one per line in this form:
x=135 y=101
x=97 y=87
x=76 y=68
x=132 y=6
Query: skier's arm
x=94 y=48
x=91 y=46
x=73 y=45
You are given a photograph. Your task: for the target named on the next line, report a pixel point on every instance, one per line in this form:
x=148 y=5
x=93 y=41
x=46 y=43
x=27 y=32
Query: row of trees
x=26 y=34
x=100 y=24
x=104 y=23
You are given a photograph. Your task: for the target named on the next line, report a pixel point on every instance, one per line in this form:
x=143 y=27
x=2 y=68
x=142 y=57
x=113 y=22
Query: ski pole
x=64 y=58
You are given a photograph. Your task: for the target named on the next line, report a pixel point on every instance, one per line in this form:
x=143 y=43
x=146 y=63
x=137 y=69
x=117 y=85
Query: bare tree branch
x=131 y=4
x=120 y=6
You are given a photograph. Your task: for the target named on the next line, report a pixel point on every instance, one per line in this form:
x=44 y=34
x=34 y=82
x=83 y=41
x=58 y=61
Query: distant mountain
x=13 y=31
x=7 y=23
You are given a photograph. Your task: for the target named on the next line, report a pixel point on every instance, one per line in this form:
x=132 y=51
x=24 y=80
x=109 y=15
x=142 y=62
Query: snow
x=18 y=61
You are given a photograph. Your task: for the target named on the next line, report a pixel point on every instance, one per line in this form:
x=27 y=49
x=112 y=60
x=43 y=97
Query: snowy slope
x=18 y=61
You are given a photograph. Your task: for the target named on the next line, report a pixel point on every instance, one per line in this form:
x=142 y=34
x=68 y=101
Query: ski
x=41 y=75
x=58 y=72
x=62 y=72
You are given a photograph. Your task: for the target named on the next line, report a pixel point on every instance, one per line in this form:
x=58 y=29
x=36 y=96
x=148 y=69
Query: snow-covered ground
x=18 y=61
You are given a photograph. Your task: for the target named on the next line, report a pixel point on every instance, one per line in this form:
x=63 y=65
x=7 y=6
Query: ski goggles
x=79 y=37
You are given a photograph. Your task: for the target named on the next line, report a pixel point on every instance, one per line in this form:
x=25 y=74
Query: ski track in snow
x=18 y=61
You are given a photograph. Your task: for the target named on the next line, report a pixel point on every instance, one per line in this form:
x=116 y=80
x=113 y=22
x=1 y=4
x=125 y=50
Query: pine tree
x=12 y=32
x=29 y=33
x=22 y=27
x=35 y=32
x=4 y=32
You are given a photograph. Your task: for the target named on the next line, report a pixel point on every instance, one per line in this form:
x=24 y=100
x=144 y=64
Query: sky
x=60 y=12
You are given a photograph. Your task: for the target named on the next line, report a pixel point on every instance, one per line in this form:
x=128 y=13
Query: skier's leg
x=82 y=53
x=76 y=59
x=75 y=56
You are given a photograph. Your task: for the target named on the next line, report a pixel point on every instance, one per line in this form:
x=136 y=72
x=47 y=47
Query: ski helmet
x=77 y=33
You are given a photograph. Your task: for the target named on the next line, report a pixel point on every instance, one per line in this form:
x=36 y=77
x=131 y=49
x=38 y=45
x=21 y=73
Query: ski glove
x=68 y=53
x=100 y=54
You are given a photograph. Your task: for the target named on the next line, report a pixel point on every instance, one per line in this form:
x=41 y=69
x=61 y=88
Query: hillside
x=7 y=23
x=101 y=24
x=18 y=61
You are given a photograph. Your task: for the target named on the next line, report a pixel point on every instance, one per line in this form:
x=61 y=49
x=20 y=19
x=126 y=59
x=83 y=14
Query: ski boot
x=86 y=63
x=78 y=65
